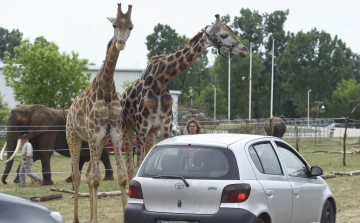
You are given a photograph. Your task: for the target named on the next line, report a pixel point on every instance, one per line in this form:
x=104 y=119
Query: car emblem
x=179 y=203
x=179 y=186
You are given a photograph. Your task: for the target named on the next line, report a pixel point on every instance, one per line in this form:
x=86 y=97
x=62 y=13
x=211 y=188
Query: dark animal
x=279 y=126
x=41 y=123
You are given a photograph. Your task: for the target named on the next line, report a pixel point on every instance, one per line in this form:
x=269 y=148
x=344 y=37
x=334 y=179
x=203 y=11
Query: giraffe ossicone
x=95 y=115
x=147 y=103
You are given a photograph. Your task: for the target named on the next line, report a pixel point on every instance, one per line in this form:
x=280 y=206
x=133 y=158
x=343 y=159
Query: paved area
x=352 y=132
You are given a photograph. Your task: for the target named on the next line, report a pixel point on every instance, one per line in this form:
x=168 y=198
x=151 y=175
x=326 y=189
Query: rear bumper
x=135 y=213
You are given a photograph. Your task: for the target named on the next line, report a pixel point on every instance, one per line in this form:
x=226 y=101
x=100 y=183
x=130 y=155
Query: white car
x=16 y=209
x=228 y=178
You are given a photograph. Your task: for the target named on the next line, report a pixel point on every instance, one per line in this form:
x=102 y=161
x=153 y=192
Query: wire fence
x=309 y=132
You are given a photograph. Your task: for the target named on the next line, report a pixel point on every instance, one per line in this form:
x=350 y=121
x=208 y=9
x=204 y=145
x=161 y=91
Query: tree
x=40 y=74
x=340 y=105
x=4 y=110
x=315 y=61
x=250 y=26
x=9 y=40
x=164 y=40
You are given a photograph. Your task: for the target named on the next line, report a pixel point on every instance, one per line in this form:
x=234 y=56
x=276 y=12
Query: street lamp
x=318 y=107
x=214 y=103
x=247 y=86
x=308 y=106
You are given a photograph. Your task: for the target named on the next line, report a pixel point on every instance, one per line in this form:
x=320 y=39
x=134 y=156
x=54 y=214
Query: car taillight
x=236 y=193
x=135 y=190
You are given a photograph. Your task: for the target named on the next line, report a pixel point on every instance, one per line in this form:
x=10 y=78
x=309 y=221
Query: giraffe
x=95 y=115
x=147 y=103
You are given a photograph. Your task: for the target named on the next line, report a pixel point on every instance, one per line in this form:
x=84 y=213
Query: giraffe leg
x=74 y=143
x=94 y=175
x=128 y=147
x=166 y=131
x=116 y=137
x=88 y=179
x=140 y=143
x=150 y=139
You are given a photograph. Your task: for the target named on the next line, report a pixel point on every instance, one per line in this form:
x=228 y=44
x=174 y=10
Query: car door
x=306 y=189
x=269 y=173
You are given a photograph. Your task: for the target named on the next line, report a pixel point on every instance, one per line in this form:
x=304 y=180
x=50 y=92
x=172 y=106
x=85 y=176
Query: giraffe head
x=221 y=37
x=122 y=27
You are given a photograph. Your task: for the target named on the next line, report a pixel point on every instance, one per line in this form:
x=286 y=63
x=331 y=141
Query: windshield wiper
x=173 y=177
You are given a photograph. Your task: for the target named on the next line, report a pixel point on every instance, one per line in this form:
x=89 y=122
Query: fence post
x=344 y=161
x=296 y=135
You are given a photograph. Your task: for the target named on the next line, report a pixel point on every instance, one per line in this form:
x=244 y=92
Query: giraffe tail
x=63 y=107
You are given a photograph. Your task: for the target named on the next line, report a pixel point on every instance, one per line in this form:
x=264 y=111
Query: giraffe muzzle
x=120 y=45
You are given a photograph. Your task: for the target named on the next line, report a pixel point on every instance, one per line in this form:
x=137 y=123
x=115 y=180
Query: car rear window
x=191 y=162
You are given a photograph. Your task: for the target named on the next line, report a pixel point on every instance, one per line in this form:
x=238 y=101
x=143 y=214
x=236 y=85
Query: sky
x=82 y=26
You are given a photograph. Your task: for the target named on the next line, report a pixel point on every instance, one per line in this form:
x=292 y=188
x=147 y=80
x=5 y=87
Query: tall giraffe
x=95 y=115
x=147 y=103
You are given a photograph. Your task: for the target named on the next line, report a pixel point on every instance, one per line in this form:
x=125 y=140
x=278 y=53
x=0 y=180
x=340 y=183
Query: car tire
x=258 y=220
x=328 y=214
x=172 y=134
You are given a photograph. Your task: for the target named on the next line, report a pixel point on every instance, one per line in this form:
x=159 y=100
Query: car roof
x=220 y=140
x=13 y=200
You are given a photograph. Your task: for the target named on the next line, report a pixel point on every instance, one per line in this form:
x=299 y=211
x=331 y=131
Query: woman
x=193 y=127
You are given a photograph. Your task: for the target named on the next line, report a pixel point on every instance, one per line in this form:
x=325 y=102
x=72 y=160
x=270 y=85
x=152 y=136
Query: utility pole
x=250 y=81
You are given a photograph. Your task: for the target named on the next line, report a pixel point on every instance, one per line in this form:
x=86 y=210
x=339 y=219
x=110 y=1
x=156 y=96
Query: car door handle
x=296 y=191
x=270 y=192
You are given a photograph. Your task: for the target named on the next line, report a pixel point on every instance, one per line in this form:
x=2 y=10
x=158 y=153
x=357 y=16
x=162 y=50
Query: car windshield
x=191 y=162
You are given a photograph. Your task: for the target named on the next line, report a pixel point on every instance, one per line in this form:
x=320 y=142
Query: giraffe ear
x=111 y=19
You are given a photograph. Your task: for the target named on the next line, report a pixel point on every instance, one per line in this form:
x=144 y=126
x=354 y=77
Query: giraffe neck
x=105 y=77
x=166 y=67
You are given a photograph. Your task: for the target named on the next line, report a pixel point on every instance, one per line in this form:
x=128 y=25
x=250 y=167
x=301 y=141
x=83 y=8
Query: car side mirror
x=316 y=171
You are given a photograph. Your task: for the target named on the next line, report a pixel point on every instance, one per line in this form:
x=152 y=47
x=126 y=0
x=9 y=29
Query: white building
x=120 y=76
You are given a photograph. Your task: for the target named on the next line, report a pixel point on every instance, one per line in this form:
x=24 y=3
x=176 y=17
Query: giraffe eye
x=225 y=35
x=131 y=28
x=114 y=26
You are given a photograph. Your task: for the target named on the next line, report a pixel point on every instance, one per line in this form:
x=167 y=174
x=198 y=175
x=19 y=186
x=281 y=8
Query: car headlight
x=57 y=216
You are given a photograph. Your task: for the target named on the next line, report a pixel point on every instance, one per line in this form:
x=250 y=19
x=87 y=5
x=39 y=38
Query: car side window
x=294 y=165
x=265 y=159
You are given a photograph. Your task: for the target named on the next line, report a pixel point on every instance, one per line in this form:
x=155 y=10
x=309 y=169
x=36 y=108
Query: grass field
x=110 y=208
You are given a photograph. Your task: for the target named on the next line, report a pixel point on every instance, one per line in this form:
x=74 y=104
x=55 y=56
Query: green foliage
x=340 y=105
x=9 y=40
x=313 y=61
x=164 y=40
x=40 y=74
x=126 y=84
x=251 y=27
x=4 y=110
x=208 y=97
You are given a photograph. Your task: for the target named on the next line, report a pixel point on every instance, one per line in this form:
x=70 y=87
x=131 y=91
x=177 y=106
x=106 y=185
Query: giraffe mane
x=197 y=37
x=191 y=43
x=109 y=45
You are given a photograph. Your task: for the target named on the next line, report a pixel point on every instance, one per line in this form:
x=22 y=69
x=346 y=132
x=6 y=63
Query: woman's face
x=192 y=128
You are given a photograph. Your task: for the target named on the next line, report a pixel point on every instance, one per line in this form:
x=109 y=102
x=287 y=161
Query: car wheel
x=258 y=220
x=328 y=215
x=172 y=134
